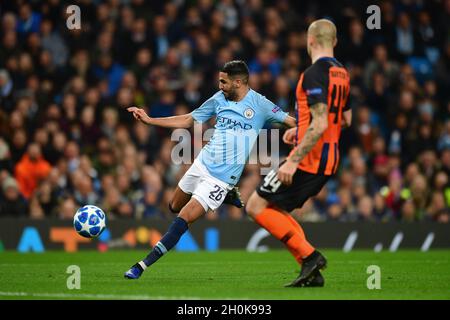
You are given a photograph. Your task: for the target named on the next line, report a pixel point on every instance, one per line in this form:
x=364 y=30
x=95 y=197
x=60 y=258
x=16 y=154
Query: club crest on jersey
x=249 y=113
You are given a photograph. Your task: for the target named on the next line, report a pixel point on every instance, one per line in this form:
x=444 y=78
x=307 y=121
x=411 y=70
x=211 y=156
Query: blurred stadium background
x=67 y=140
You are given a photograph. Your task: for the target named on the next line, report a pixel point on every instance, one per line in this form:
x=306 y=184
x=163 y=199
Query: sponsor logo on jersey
x=232 y=124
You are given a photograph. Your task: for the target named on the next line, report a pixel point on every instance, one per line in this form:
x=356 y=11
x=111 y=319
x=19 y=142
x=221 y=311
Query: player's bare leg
x=179 y=200
x=255 y=205
x=283 y=227
x=190 y=213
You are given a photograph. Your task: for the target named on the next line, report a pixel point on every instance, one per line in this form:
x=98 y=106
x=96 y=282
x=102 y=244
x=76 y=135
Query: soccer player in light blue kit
x=240 y=115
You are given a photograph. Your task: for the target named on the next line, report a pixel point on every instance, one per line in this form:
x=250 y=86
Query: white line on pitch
x=101 y=296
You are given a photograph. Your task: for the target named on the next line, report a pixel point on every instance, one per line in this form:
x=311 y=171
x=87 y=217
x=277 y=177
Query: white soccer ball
x=89 y=221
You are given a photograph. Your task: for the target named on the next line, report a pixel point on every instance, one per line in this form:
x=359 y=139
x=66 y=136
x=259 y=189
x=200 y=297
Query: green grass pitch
x=223 y=275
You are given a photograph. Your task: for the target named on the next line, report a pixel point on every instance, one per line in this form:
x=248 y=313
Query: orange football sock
x=299 y=229
x=296 y=225
x=287 y=231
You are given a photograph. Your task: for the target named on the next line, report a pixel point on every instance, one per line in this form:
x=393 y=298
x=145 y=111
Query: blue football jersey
x=236 y=130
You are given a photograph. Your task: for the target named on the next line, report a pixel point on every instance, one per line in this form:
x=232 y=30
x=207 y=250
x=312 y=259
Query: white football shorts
x=205 y=188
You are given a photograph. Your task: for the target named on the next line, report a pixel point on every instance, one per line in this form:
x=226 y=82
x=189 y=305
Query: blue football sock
x=168 y=241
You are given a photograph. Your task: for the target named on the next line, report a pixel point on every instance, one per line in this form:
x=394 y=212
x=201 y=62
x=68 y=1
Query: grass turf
x=223 y=275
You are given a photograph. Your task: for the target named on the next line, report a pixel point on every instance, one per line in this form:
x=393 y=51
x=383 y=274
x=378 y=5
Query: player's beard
x=231 y=94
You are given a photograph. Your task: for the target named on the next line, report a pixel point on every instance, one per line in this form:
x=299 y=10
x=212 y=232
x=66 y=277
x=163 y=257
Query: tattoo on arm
x=319 y=113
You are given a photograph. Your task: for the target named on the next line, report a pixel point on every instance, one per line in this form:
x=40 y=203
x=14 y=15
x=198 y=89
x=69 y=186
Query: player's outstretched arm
x=182 y=121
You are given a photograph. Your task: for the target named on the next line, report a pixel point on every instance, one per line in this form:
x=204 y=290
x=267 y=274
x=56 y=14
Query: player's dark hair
x=236 y=68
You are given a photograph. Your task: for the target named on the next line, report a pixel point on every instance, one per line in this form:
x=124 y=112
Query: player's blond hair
x=324 y=31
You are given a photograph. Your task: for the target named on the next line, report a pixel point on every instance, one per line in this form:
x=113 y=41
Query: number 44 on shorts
x=271 y=182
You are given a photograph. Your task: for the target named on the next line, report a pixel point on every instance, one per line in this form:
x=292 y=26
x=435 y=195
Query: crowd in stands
x=66 y=138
